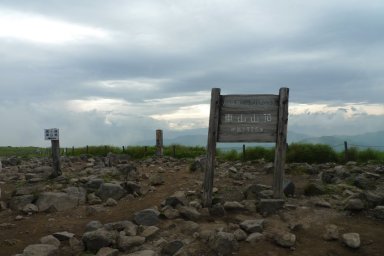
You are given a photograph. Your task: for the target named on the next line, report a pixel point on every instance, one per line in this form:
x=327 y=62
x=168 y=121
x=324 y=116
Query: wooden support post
x=346 y=157
x=281 y=144
x=159 y=142
x=211 y=147
x=56 y=158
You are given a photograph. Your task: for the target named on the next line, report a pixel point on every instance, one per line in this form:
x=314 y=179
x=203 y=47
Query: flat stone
x=142 y=253
x=172 y=248
x=50 y=239
x=63 y=236
x=252 y=226
x=149 y=231
x=107 y=251
x=254 y=237
x=127 y=242
x=232 y=206
x=189 y=213
x=354 y=204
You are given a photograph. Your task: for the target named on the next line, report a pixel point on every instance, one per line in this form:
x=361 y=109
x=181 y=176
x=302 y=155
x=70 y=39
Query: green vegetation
x=296 y=153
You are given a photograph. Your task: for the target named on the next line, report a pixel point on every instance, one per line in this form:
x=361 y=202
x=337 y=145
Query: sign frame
x=239 y=118
x=51 y=134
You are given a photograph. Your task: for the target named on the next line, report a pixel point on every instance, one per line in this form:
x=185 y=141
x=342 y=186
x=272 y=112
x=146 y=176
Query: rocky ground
x=113 y=206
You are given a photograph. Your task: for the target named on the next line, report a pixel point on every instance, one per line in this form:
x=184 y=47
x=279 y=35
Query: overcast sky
x=112 y=72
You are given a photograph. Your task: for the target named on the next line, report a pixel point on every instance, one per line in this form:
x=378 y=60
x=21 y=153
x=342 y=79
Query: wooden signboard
x=247 y=118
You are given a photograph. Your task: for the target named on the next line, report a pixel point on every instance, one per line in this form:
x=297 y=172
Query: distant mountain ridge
x=373 y=139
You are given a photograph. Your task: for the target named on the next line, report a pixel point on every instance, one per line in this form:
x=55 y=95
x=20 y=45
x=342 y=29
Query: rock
x=127 y=242
x=323 y=204
x=93 y=199
x=110 y=190
x=93 y=225
x=94 y=240
x=372 y=199
x=224 y=243
x=129 y=171
x=361 y=181
x=288 y=188
x=40 y=250
x=329 y=177
x=254 y=237
x=313 y=189
x=217 y=210
x=76 y=245
x=63 y=236
x=178 y=198
x=17 y=203
x=354 y=204
x=352 y=240
x=253 y=191
x=252 y=226
x=233 y=206
x=94 y=184
x=50 y=239
x=147 y=217
x=170 y=213
x=110 y=202
x=132 y=187
x=55 y=201
x=30 y=208
x=149 y=232
x=171 y=248
x=122 y=225
x=142 y=253
x=240 y=234
x=285 y=239
x=189 y=227
x=78 y=194
x=378 y=212
x=189 y=213
x=107 y=251
x=270 y=206
x=331 y=232
x=156 y=179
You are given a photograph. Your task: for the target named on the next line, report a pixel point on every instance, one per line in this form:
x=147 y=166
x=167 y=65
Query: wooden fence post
x=174 y=150
x=211 y=147
x=281 y=144
x=243 y=152
x=346 y=157
x=159 y=142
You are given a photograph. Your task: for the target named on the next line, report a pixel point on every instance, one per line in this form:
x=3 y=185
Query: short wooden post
x=159 y=142
x=243 y=152
x=211 y=147
x=346 y=157
x=56 y=158
x=87 y=150
x=73 y=150
x=123 y=149
x=174 y=150
x=281 y=141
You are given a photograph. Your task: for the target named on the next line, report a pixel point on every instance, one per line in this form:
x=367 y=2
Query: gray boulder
x=352 y=240
x=252 y=226
x=189 y=213
x=93 y=225
x=178 y=198
x=171 y=248
x=110 y=190
x=127 y=242
x=285 y=239
x=40 y=250
x=94 y=240
x=354 y=204
x=78 y=194
x=107 y=251
x=142 y=253
x=50 y=239
x=378 y=212
x=55 y=201
x=147 y=217
x=17 y=203
x=270 y=206
x=224 y=243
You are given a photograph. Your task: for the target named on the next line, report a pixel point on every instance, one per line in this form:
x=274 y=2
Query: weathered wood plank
x=258 y=101
x=56 y=166
x=281 y=144
x=211 y=147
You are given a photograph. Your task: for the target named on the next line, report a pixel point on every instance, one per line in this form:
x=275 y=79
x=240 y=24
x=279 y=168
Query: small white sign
x=51 y=134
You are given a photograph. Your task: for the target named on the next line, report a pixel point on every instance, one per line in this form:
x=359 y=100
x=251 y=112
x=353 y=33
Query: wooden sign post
x=159 y=142
x=53 y=135
x=247 y=118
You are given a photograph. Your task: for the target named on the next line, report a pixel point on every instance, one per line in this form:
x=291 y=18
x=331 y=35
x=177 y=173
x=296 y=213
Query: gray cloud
x=323 y=51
